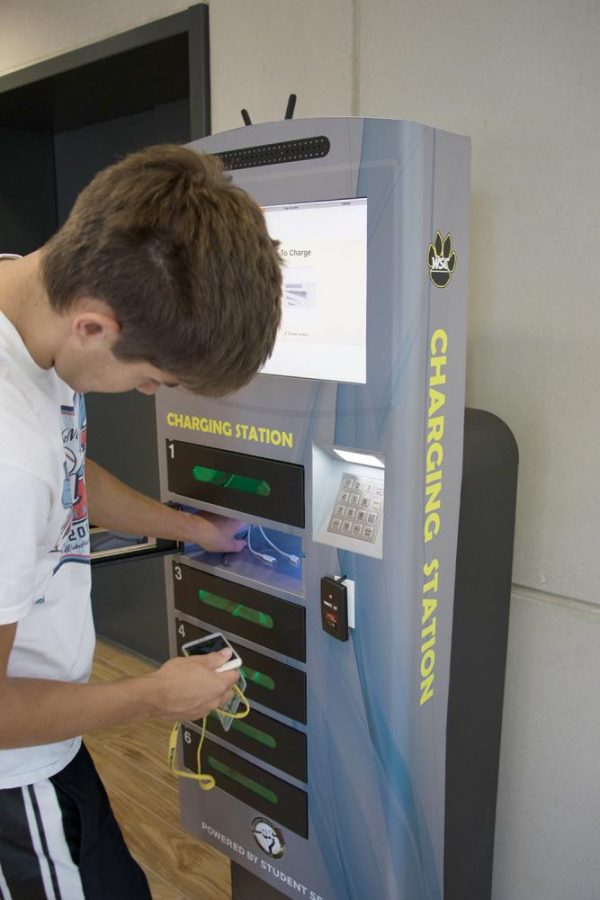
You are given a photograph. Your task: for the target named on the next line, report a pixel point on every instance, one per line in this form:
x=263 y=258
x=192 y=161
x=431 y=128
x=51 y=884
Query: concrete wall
x=524 y=87
x=549 y=791
x=522 y=79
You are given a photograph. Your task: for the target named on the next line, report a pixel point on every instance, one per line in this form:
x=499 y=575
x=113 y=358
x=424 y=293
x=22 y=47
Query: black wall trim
x=155 y=63
x=99 y=50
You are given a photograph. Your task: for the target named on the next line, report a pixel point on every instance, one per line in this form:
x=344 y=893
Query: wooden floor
x=143 y=792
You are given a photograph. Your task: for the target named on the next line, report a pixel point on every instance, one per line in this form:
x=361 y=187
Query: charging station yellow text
x=241 y=431
x=432 y=516
x=429 y=628
x=435 y=435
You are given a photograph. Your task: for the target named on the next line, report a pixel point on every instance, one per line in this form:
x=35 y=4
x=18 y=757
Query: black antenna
x=291 y=105
x=289 y=110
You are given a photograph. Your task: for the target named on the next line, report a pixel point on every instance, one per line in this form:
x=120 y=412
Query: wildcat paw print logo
x=442 y=260
x=268 y=837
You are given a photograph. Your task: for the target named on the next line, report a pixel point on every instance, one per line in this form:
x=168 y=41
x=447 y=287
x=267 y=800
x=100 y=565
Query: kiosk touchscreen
x=344 y=459
x=324 y=250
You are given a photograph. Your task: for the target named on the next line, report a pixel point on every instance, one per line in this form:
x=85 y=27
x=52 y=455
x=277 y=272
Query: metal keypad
x=358 y=507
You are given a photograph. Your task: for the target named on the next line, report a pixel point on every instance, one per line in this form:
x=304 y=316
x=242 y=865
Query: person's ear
x=92 y=326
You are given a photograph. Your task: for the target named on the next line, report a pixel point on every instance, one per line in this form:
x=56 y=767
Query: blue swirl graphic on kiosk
x=394 y=854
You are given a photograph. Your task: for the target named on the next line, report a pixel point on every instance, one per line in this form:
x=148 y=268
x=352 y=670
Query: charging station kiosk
x=368 y=764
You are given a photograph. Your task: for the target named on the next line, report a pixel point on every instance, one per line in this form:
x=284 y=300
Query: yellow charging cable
x=205 y=782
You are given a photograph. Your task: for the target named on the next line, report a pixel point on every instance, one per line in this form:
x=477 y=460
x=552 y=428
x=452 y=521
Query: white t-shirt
x=44 y=539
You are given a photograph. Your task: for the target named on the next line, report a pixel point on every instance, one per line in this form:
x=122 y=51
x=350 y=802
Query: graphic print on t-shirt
x=73 y=545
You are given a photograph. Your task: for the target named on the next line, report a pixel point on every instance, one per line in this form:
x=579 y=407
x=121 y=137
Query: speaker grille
x=272 y=154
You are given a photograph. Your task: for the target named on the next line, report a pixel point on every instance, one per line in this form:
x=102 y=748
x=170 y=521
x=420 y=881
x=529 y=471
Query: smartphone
x=212 y=643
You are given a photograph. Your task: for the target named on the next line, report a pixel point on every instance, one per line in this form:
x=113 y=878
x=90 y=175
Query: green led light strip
x=258 y=678
x=255 y=734
x=246 y=782
x=238 y=610
x=241 y=483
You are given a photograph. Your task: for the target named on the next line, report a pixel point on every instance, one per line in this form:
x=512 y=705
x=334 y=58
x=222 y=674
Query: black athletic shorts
x=59 y=840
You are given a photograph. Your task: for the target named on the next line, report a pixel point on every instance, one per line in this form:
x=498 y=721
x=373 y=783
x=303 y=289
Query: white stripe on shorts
x=37 y=846
x=5 y=894
x=66 y=872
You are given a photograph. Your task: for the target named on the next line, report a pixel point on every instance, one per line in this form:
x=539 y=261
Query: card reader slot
x=261 y=618
x=259 y=789
x=266 y=488
x=271 y=683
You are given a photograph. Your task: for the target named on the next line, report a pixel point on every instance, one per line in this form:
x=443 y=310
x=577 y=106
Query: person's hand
x=216 y=533
x=189 y=687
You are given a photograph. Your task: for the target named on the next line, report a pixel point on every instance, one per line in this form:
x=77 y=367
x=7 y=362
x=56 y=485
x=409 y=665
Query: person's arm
x=115 y=506
x=40 y=711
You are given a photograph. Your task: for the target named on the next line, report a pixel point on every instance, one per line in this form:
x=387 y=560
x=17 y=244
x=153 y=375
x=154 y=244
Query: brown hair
x=183 y=258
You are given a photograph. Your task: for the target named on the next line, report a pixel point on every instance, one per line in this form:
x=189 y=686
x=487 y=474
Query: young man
x=164 y=274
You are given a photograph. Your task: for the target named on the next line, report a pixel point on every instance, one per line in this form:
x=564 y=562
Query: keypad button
x=372 y=518
x=340 y=510
x=368 y=531
x=357 y=529
x=335 y=525
x=354 y=498
x=361 y=515
x=346 y=527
